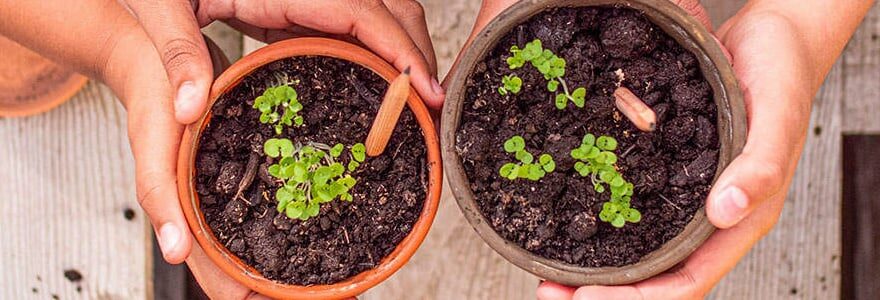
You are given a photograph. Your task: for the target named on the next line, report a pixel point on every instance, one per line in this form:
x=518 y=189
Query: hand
x=394 y=29
x=747 y=199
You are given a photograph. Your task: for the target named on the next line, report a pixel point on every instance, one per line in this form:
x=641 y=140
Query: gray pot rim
x=731 y=126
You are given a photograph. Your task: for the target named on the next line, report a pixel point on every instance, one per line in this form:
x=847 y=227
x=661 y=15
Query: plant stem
x=565 y=89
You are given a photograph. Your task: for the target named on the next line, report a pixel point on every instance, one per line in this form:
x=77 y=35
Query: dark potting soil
x=671 y=168
x=340 y=100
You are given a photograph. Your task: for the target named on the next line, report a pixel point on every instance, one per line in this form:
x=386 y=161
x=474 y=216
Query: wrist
x=823 y=27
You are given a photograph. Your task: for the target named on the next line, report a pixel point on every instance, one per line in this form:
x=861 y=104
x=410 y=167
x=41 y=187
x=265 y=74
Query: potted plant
x=581 y=138
x=275 y=184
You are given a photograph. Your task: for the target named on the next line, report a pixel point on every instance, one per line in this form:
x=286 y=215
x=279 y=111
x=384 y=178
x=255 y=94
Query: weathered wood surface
x=861 y=64
x=66 y=177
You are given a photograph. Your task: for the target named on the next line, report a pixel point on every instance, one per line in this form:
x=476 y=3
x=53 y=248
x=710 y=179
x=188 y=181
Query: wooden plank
x=861 y=207
x=800 y=257
x=67 y=178
x=227 y=38
x=861 y=106
x=249 y=45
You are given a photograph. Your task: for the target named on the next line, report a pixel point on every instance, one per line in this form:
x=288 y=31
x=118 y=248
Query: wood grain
x=861 y=105
x=66 y=178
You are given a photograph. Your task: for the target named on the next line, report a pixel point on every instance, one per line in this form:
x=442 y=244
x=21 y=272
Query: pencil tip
x=406 y=71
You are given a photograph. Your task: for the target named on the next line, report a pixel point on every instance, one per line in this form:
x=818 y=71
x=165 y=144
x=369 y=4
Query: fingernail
x=731 y=205
x=435 y=86
x=186 y=96
x=169 y=237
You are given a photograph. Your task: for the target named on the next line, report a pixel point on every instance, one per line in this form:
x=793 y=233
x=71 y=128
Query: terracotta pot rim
x=731 y=129
x=74 y=83
x=58 y=83
x=232 y=265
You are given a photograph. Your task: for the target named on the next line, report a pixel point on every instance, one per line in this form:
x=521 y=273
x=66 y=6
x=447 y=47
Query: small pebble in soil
x=583 y=226
x=73 y=275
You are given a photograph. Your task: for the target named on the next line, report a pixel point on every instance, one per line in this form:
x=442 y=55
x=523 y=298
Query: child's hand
x=394 y=29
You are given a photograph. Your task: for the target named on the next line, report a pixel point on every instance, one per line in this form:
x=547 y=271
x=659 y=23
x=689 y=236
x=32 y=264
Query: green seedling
x=551 y=66
x=510 y=84
x=596 y=159
x=311 y=175
x=280 y=107
x=527 y=167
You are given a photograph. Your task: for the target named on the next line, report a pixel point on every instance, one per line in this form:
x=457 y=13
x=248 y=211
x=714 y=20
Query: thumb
x=174 y=31
x=155 y=138
x=765 y=60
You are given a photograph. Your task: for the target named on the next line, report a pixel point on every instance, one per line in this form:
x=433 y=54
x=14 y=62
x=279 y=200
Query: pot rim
x=247 y=275
x=69 y=83
x=731 y=124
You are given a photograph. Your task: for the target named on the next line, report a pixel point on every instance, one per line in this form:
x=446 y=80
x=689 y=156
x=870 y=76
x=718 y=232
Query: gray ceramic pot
x=731 y=132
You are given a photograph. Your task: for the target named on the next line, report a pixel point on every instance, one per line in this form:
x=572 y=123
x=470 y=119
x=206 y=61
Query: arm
x=105 y=42
x=823 y=26
x=85 y=44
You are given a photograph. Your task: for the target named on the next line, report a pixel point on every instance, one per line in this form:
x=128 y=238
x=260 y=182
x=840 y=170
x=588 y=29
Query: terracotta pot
x=232 y=265
x=731 y=131
x=31 y=84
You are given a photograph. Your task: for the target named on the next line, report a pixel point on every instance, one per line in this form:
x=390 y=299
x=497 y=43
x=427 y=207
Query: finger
x=701 y=271
x=215 y=283
x=554 y=291
x=778 y=113
x=369 y=21
x=411 y=15
x=155 y=138
x=696 y=10
x=172 y=26
x=273 y=35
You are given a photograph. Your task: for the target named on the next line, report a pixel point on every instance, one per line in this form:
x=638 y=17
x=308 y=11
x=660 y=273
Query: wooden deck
x=67 y=179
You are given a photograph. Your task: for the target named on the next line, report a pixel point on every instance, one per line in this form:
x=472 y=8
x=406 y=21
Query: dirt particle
x=817 y=130
x=55 y=297
x=35 y=290
x=128 y=213
x=73 y=275
x=793 y=291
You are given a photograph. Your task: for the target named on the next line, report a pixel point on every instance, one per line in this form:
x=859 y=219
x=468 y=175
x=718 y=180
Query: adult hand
x=776 y=76
x=394 y=29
